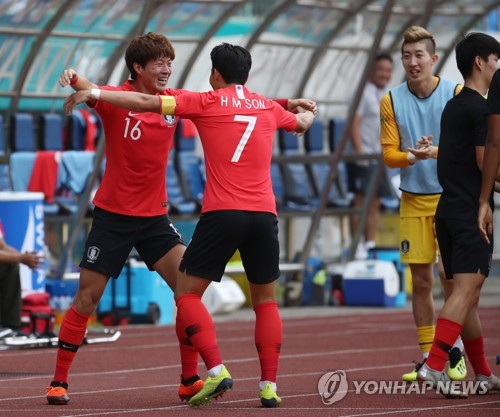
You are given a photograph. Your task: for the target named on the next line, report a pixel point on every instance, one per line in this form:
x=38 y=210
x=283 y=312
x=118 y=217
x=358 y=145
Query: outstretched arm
x=10 y=255
x=75 y=81
x=125 y=99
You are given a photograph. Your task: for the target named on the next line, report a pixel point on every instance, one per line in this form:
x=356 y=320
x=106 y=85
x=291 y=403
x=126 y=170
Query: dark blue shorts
x=112 y=237
x=219 y=234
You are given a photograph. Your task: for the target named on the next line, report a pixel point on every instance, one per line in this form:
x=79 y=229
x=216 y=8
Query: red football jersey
x=137 y=146
x=237 y=129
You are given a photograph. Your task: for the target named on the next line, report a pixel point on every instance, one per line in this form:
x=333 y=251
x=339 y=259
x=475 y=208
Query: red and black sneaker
x=189 y=387
x=57 y=393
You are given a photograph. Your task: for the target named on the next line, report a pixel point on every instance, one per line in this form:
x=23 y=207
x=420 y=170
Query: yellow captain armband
x=167 y=104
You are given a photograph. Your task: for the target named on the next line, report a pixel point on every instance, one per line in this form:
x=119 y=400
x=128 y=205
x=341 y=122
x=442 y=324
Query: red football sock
x=475 y=352
x=199 y=328
x=268 y=337
x=189 y=354
x=71 y=336
x=447 y=332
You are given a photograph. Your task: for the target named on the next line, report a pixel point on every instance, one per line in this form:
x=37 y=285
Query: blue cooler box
x=62 y=292
x=393 y=255
x=148 y=299
x=370 y=283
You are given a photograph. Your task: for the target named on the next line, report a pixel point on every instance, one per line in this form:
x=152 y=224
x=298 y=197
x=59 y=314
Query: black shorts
x=112 y=237
x=359 y=177
x=217 y=236
x=463 y=250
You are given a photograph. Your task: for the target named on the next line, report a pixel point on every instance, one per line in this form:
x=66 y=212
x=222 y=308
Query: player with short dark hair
x=130 y=204
x=466 y=256
x=237 y=128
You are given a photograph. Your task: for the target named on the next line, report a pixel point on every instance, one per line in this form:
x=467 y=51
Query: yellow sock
x=425 y=337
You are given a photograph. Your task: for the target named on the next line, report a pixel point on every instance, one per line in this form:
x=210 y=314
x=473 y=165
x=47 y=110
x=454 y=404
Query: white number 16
x=246 y=135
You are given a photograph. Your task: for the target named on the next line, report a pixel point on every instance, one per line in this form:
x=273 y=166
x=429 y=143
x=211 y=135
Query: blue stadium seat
x=2 y=141
x=75 y=131
x=22 y=137
x=318 y=171
x=4 y=167
x=176 y=201
x=278 y=187
x=5 y=178
x=50 y=130
x=188 y=165
x=21 y=167
x=335 y=129
x=299 y=191
x=75 y=170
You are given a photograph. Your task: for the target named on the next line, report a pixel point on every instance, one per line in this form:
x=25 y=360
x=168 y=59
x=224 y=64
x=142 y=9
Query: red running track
x=138 y=375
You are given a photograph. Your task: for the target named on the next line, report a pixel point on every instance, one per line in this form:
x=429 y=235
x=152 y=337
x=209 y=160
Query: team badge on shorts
x=405 y=246
x=93 y=254
x=170 y=120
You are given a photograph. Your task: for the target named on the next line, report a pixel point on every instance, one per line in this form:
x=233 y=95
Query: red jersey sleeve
x=284 y=118
x=283 y=102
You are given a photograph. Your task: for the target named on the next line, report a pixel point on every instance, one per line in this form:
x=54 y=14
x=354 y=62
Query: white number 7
x=246 y=135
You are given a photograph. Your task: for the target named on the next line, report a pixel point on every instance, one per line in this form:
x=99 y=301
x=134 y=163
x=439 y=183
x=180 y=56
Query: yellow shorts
x=418 y=243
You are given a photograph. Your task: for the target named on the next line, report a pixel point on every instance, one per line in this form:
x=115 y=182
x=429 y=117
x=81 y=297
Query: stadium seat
x=5 y=177
x=75 y=169
x=318 y=171
x=299 y=191
x=176 y=201
x=22 y=137
x=2 y=141
x=75 y=131
x=4 y=167
x=50 y=130
x=21 y=167
x=335 y=129
x=189 y=167
x=278 y=188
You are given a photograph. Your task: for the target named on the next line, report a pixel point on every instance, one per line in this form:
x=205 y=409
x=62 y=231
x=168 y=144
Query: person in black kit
x=466 y=256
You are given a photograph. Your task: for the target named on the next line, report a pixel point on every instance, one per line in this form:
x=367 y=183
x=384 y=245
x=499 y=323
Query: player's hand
x=74 y=99
x=298 y=105
x=485 y=221
x=423 y=142
x=32 y=259
x=425 y=152
x=66 y=76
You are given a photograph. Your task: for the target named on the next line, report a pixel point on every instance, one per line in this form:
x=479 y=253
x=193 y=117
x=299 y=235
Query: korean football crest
x=93 y=254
